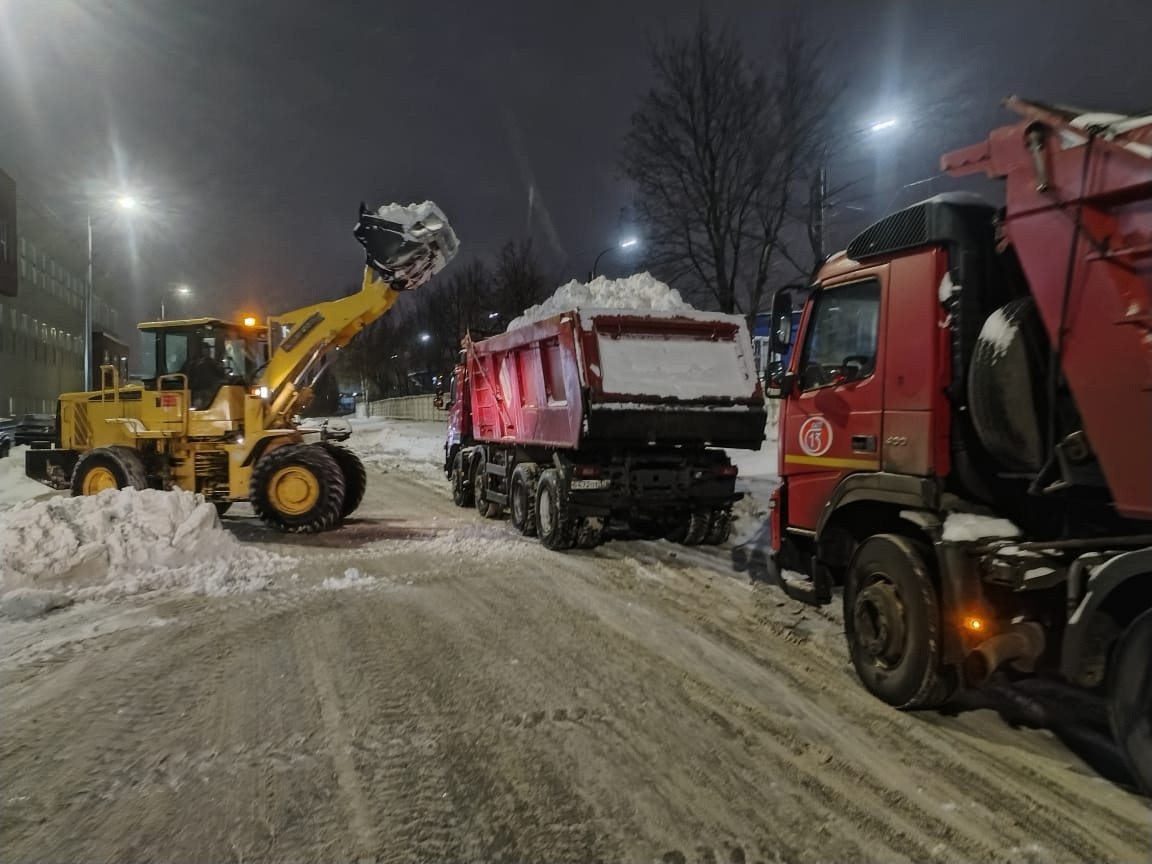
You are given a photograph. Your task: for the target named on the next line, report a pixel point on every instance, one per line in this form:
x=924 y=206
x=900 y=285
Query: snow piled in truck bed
x=127 y=541
x=639 y=292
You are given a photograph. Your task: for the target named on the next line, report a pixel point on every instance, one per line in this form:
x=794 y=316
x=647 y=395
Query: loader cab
x=203 y=355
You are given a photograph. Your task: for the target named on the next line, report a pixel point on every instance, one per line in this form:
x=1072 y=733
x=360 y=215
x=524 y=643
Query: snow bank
x=999 y=331
x=127 y=542
x=352 y=578
x=15 y=487
x=964 y=527
x=641 y=292
x=399 y=443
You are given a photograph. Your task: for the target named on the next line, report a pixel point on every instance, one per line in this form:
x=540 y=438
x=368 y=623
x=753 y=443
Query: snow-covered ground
x=405 y=444
x=14 y=486
x=124 y=542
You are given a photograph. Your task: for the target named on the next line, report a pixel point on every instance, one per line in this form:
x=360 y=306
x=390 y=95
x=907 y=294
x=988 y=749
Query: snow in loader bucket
x=407 y=246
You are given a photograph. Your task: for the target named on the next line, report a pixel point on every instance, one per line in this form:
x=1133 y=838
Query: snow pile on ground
x=352 y=578
x=127 y=541
x=641 y=292
x=471 y=543
x=964 y=527
x=399 y=443
x=15 y=487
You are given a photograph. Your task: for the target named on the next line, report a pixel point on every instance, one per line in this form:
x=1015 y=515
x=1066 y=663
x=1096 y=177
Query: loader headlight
x=261 y=391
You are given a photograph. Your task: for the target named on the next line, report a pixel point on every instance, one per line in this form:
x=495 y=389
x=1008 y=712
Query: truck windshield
x=841 y=342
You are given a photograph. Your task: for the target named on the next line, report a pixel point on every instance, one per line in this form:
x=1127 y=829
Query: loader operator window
x=841 y=342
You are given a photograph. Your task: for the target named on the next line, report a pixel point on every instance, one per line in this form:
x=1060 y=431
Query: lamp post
x=624 y=244
x=125 y=203
x=179 y=291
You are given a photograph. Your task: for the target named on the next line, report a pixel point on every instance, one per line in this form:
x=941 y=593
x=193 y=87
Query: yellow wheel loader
x=218 y=413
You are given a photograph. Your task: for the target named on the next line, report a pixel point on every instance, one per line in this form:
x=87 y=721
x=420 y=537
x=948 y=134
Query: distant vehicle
x=7 y=435
x=35 y=429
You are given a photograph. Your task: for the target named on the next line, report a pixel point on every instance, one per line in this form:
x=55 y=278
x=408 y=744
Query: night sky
x=252 y=128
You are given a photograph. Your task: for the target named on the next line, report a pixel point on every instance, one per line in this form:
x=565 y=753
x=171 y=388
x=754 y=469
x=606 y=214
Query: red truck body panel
x=589 y=376
x=1097 y=281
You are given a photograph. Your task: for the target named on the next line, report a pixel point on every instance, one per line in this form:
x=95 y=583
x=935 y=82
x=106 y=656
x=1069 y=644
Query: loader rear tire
x=554 y=524
x=355 y=477
x=298 y=488
x=108 y=468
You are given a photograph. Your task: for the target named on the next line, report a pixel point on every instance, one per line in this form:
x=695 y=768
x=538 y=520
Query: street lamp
x=424 y=337
x=179 y=291
x=881 y=125
x=125 y=203
x=627 y=243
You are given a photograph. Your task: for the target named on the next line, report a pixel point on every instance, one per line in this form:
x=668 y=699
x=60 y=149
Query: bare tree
x=720 y=153
x=518 y=282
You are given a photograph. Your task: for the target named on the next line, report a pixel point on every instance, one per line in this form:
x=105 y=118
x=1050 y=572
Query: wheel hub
x=544 y=511
x=98 y=479
x=294 y=490
x=879 y=619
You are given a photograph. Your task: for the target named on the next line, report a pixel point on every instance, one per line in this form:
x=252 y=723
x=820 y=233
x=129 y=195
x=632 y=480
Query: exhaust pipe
x=1022 y=644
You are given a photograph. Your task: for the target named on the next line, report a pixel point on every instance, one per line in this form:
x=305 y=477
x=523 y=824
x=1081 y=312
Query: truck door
x=832 y=421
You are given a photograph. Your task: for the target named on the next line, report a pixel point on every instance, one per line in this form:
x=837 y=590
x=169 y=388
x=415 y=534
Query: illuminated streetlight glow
x=424 y=337
x=127 y=202
x=631 y=241
x=183 y=289
x=493 y=314
x=881 y=125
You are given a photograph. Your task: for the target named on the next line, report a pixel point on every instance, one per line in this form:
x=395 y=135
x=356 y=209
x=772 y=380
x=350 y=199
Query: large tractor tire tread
x=298 y=488
x=480 y=481
x=522 y=498
x=463 y=493
x=554 y=524
x=104 y=468
x=355 y=477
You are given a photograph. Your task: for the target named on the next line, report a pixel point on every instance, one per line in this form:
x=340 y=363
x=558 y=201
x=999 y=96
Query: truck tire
x=719 y=527
x=298 y=488
x=480 y=480
x=590 y=532
x=554 y=525
x=462 y=492
x=108 y=468
x=1005 y=386
x=522 y=498
x=892 y=622
x=1130 y=697
x=689 y=529
x=355 y=477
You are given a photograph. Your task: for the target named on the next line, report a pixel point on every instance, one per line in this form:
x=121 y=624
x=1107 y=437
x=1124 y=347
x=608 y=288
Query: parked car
x=34 y=428
x=7 y=435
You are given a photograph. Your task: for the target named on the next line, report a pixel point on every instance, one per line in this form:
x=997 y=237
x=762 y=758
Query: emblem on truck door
x=815 y=436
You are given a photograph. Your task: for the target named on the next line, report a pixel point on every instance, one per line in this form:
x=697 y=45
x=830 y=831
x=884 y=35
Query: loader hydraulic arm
x=406 y=246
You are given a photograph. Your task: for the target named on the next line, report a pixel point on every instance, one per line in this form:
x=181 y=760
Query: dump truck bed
x=608 y=377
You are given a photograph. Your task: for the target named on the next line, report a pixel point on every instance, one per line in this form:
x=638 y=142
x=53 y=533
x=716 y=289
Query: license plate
x=590 y=484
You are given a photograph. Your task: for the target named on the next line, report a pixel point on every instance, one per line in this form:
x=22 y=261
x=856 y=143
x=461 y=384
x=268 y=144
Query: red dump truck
x=595 y=416
x=966 y=426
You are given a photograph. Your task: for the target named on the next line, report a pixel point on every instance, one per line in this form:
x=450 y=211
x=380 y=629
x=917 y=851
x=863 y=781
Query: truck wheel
x=689 y=529
x=590 y=532
x=554 y=526
x=523 y=498
x=719 y=527
x=298 y=488
x=1130 y=697
x=108 y=468
x=480 y=480
x=461 y=487
x=355 y=477
x=892 y=621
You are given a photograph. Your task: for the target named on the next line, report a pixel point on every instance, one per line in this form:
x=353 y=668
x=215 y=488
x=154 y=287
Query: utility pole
x=88 y=312
x=819 y=208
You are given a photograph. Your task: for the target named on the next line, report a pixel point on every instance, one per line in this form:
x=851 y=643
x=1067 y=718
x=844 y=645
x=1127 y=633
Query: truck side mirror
x=781 y=335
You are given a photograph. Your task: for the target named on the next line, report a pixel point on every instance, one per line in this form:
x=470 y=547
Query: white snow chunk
x=999 y=331
x=964 y=527
x=409 y=214
x=127 y=541
x=640 y=292
x=24 y=604
x=947 y=288
x=352 y=578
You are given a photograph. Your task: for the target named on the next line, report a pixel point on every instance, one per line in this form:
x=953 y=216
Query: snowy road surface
x=424 y=686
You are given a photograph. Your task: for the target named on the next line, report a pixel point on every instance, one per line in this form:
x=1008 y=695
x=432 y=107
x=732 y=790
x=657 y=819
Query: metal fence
x=407 y=408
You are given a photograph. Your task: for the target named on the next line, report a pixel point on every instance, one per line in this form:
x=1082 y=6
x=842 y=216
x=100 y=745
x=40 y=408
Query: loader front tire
x=355 y=477
x=298 y=488
x=108 y=468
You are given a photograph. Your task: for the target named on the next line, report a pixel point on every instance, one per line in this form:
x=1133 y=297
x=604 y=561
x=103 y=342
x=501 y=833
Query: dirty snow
x=677 y=368
x=467 y=544
x=999 y=331
x=406 y=444
x=641 y=291
x=963 y=527
x=127 y=541
x=15 y=487
x=352 y=578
